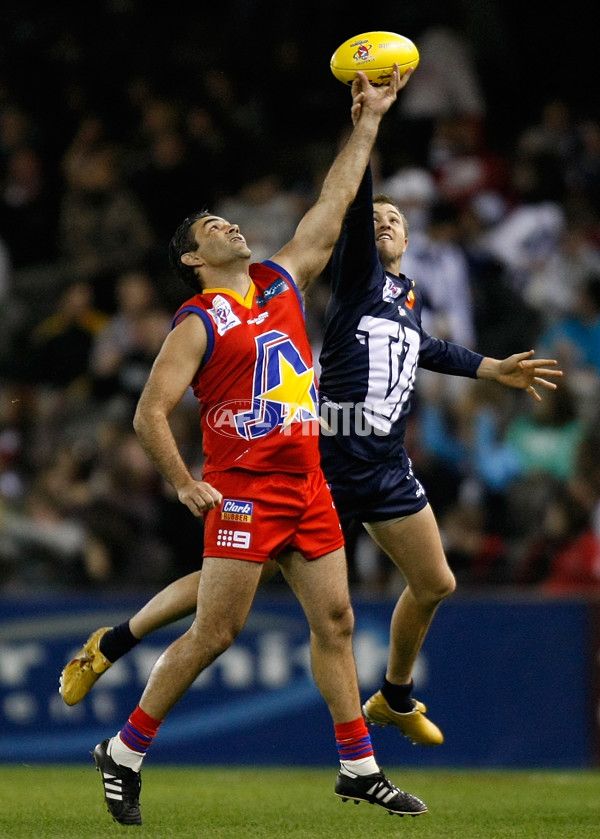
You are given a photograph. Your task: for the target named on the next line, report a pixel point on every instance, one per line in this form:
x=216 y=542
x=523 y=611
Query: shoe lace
x=85 y=661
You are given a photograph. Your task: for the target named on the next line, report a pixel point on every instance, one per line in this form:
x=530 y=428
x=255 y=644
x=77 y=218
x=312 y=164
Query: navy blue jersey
x=374 y=343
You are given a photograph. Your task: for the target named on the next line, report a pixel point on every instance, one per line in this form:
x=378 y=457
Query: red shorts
x=263 y=515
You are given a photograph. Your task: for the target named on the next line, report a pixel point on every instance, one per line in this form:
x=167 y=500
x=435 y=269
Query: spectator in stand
x=165 y=180
x=40 y=545
x=554 y=133
x=60 y=346
x=18 y=128
x=207 y=142
x=125 y=513
x=500 y=465
x=528 y=235
x=124 y=335
x=504 y=448
x=414 y=189
x=564 y=556
x=546 y=438
x=89 y=136
x=437 y=263
x=240 y=117
x=462 y=164
x=586 y=484
x=553 y=285
x=575 y=338
x=103 y=228
x=584 y=170
x=28 y=209
x=266 y=211
x=124 y=388
x=447 y=84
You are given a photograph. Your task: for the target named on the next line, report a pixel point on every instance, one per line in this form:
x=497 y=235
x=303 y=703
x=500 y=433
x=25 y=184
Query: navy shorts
x=366 y=491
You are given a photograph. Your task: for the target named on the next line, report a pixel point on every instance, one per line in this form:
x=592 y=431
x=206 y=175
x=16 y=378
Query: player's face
x=390 y=235
x=219 y=240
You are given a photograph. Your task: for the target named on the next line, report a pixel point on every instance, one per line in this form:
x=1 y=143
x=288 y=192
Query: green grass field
x=58 y=802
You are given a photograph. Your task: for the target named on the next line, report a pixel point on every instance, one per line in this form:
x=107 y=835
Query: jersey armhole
x=274 y=265
x=208 y=324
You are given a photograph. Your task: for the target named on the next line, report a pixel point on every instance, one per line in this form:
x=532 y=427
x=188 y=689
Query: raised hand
x=377 y=99
x=523 y=371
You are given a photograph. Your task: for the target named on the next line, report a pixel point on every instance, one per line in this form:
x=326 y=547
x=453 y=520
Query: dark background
x=525 y=53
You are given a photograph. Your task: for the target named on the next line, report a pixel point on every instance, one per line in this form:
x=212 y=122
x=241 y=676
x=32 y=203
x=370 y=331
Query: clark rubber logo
x=233 y=510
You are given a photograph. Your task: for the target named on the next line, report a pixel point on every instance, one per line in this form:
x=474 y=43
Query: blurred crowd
x=96 y=171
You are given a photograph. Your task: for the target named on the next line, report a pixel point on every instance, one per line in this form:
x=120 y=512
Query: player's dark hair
x=181 y=242
x=382 y=198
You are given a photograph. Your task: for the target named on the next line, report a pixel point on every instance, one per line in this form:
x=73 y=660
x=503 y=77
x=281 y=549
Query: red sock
x=139 y=731
x=353 y=739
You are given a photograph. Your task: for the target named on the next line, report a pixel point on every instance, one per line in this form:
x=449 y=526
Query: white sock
x=123 y=755
x=363 y=766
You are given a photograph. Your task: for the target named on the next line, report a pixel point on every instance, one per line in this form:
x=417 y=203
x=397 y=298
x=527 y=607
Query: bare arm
x=521 y=371
x=307 y=254
x=174 y=367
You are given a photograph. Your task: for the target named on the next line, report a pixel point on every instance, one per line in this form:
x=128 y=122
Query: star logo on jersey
x=283 y=388
x=293 y=392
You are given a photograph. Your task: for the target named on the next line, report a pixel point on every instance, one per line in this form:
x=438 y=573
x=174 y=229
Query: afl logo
x=225 y=417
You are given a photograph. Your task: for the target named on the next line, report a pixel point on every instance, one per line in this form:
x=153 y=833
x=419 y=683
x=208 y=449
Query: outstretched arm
x=521 y=371
x=307 y=254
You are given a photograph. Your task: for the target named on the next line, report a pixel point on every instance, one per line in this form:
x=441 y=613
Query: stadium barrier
x=512 y=681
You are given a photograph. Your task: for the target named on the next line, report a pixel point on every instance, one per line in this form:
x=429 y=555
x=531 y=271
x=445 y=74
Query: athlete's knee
x=435 y=590
x=343 y=619
x=446 y=585
x=336 y=624
x=216 y=639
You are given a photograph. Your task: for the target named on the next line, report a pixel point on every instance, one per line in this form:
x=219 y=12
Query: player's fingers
x=203 y=497
x=357 y=91
x=211 y=498
x=199 y=505
x=403 y=79
x=194 y=508
x=545 y=362
x=361 y=80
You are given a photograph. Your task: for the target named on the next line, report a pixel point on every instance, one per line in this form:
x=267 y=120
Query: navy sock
x=398 y=697
x=117 y=641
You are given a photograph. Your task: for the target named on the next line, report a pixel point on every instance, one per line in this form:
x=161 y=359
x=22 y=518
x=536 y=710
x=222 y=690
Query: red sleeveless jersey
x=256 y=386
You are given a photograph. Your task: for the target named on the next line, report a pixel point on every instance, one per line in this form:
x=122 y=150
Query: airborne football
x=374 y=53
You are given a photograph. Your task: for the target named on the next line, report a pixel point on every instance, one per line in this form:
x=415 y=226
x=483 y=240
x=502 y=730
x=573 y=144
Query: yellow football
x=375 y=53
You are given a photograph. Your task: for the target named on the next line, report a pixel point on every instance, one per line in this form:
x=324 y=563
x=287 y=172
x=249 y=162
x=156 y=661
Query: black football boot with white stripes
x=377 y=789
x=122 y=787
